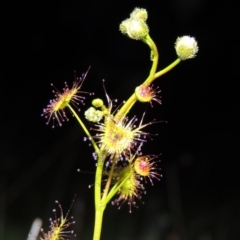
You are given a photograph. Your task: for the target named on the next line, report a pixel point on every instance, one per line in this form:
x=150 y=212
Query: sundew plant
x=122 y=169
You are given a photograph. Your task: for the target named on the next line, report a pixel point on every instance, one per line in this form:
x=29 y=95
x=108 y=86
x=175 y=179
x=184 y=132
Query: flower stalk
x=84 y=128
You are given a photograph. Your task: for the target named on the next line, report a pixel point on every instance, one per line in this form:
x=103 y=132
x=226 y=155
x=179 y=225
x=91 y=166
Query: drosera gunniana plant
x=122 y=170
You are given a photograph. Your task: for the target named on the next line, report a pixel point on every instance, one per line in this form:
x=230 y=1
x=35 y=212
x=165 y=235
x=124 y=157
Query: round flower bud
x=124 y=26
x=146 y=93
x=146 y=167
x=142 y=166
x=93 y=115
x=139 y=13
x=97 y=102
x=137 y=29
x=186 y=47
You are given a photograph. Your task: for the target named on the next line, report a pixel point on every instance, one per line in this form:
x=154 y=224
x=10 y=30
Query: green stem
x=115 y=189
x=125 y=108
x=84 y=128
x=168 y=68
x=131 y=101
x=98 y=223
x=99 y=207
x=148 y=40
x=112 y=192
x=107 y=186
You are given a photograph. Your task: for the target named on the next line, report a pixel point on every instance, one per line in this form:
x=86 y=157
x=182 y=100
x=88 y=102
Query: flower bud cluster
x=135 y=27
x=93 y=115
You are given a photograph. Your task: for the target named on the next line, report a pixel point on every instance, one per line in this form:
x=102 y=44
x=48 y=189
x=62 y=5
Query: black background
x=198 y=196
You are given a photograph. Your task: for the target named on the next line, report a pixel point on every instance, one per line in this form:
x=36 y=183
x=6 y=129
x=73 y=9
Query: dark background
x=198 y=196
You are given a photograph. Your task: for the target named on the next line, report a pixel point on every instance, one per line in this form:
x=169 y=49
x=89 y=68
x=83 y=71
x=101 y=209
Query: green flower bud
x=137 y=29
x=186 y=47
x=97 y=102
x=139 y=14
x=124 y=26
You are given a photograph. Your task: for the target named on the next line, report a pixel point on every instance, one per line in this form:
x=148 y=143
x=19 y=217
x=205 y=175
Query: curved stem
x=84 y=128
x=131 y=101
x=154 y=50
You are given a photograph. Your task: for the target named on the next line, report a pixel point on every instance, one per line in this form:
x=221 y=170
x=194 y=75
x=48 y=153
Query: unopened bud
x=135 y=29
x=186 y=47
x=97 y=102
x=139 y=13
